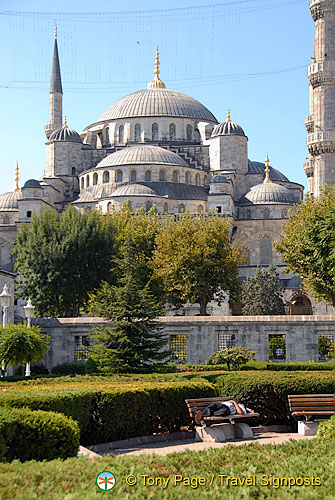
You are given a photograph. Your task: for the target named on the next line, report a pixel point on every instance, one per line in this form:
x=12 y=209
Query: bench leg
x=243 y=431
x=307 y=428
x=216 y=433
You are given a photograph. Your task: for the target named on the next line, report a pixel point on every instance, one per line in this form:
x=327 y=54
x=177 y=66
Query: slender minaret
x=56 y=94
x=320 y=124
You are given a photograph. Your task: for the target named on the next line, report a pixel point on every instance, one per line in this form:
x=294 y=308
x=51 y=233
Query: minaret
x=56 y=94
x=320 y=124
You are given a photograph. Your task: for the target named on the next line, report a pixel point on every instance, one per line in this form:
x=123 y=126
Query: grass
x=74 y=479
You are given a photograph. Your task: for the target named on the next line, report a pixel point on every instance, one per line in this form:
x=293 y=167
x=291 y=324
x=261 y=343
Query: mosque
x=159 y=147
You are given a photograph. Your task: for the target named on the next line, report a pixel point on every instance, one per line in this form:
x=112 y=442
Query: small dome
x=228 y=128
x=139 y=155
x=32 y=183
x=219 y=178
x=134 y=190
x=65 y=134
x=157 y=102
x=8 y=201
x=256 y=167
x=267 y=193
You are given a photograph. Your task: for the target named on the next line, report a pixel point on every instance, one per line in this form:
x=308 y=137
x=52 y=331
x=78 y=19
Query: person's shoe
x=198 y=417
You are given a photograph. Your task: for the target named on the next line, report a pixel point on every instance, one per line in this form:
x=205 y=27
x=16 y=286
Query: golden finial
x=228 y=115
x=156 y=83
x=55 y=30
x=17 y=187
x=267 y=171
x=65 y=123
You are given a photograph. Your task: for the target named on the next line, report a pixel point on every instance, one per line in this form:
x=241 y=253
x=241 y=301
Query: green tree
x=325 y=346
x=135 y=340
x=308 y=245
x=20 y=344
x=234 y=357
x=262 y=293
x=196 y=260
x=62 y=258
x=277 y=347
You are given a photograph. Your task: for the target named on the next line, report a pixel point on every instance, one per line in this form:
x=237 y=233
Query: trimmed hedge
x=69 y=369
x=39 y=435
x=327 y=430
x=267 y=392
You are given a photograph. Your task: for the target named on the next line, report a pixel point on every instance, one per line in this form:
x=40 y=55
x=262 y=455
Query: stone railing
x=321 y=8
x=309 y=168
x=309 y=123
x=320 y=137
x=321 y=66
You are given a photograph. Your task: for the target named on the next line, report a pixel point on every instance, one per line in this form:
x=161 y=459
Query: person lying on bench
x=221 y=409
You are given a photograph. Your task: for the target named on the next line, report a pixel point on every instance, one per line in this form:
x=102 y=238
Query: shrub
x=69 y=369
x=233 y=357
x=267 y=393
x=39 y=435
x=327 y=429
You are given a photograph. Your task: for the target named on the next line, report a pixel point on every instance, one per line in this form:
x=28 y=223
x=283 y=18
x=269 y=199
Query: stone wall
x=204 y=335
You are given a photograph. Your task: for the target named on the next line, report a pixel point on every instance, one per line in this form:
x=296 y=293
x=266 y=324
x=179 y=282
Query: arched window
x=147 y=176
x=105 y=177
x=87 y=180
x=73 y=171
x=197 y=179
x=189 y=132
x=133 y=176
x=172 y=132
x=154 y=131
x=107 y=135
x=137 y=132
x=95 y=179
x=181 y=208
x=166 y=208
x=265 y=251
x=82 y=183
x=266 y=213
x=162 y=175
x=121 y=133
x=188 y=178
x=175 y=176
x=119 y=176
x=148 y=205
x=248 y=214
x=197 y=135
x=300 y=305
x=109 y=208
x=6 y=220
x=200 y=209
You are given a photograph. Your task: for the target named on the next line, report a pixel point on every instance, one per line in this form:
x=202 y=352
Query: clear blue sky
x=250 y=56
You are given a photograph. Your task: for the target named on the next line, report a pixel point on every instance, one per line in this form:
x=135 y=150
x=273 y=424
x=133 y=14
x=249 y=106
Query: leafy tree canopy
x=308 y=244
x=234 y=357
x=262 y=293
x=62 y=258
x=196 y=260
x=22 y=344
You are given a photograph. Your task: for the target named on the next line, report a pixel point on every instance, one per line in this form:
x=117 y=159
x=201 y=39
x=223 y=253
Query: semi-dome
x=256 y=167
x=134 y=190
x=157 y=102
x=267 y=193
x=32 y=183
x=65 y=134
x=9 y=201
x=142 y=155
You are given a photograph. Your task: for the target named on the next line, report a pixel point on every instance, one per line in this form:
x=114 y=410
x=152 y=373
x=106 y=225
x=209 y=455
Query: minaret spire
x=156 y=83
x=56 y=93
x=17 y=178
x=267 y=179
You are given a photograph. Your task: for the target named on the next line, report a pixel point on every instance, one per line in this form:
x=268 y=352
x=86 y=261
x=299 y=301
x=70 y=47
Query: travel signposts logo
x=106 y=480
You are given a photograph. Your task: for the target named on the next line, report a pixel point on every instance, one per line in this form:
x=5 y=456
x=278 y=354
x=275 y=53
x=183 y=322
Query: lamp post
x=29 y=311
x=5 y=302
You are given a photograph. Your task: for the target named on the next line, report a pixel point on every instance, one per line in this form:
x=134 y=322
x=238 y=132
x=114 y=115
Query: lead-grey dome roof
x=157 y=102
x=134 y=190
x=219 y=178
x=267 y=193
x=65 y=134
x=8 y=201
x=142 y=155
x=256 y=167
x=32 y=183
x=228 y=128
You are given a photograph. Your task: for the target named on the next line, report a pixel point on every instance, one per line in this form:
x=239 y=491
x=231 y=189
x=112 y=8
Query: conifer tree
x=262 y=293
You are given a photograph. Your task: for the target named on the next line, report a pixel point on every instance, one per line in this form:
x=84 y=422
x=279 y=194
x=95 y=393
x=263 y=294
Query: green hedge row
x=261 y=365
x=119 y=412
x=267 y=392
x=39 y=435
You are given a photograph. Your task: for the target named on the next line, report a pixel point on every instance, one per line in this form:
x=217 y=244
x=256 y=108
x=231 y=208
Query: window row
x=119 y=177
x=5 y=219
x=266 y=213
x=191 y=133
x=149 y=204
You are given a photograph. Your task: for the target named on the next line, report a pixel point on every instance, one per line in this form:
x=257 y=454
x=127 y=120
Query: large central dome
x=157 y=102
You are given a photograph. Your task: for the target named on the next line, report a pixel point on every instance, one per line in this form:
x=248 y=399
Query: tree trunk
x=203 y=305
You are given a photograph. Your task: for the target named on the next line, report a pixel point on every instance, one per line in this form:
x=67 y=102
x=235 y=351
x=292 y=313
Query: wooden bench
x=194 y=404
x=312 y=405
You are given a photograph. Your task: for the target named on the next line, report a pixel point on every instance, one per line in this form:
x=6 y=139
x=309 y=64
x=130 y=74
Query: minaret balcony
x=321 y=8
x=309 y=123
x=321 y=142
x=309 y=168
x=321 y=73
